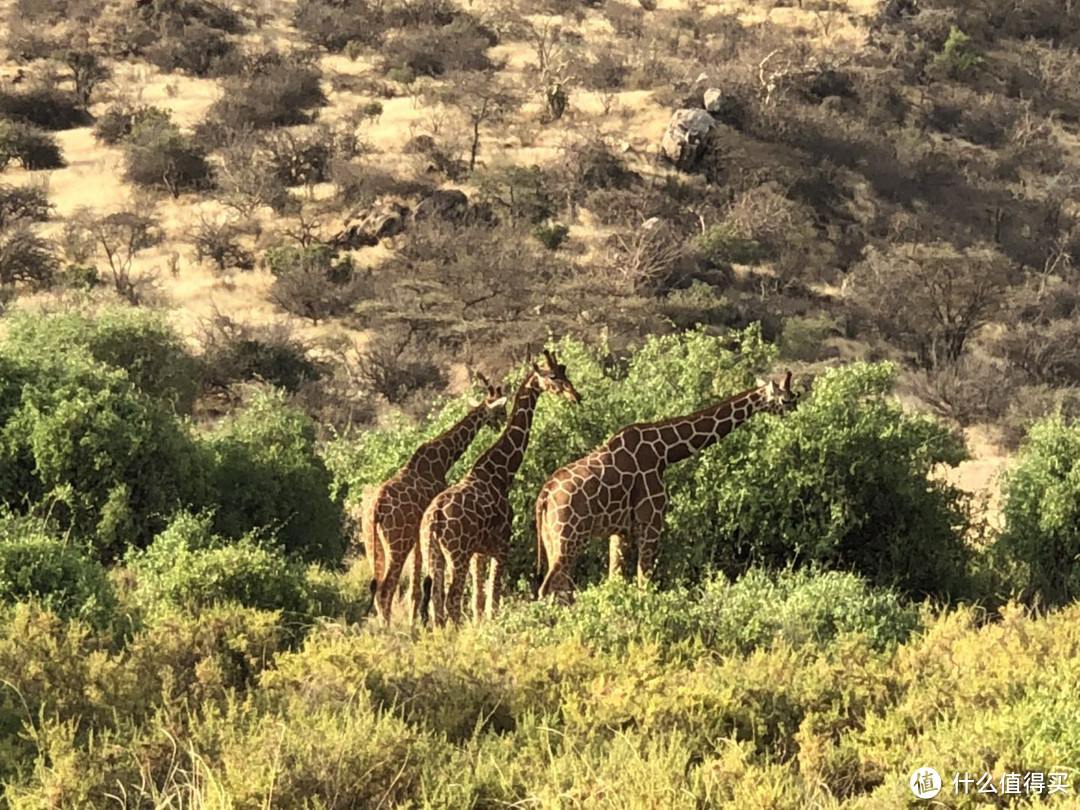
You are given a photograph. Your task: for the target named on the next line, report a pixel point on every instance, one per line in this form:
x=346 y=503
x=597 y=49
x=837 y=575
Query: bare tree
x=120 y=237
x=932 y=297
x=482 y=98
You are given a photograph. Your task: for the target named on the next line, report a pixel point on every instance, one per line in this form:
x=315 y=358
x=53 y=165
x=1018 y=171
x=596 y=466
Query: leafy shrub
x=518 y=192
x=79 y=277
x=266 y=474
x=1042 y=512
x=801 y=607
x=333 y=25
x=26 y=258
x=188 y=568
x=802 y=337
x=31 y=147
x=303 y=160
x=551 y=234
x=157 y=154
x=277 y=91
x=841 y=482
x=313 y=282
x=757 y=611
x=960 y=55
x=700 y=303
x=196 y=49
x=119 y=120
x=53 y=572
x=112 y=462
x=46 y=108
x=29 y=203
x=723 y=243
x=435 y=50
x=140 y=343
x=233 y=352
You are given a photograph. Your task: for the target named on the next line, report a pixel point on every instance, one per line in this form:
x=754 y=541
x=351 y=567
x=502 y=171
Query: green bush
x=960 y=56
x=802 y=337
x=723 y=243
x=188 y=568
x=54 y=572
x=139 y=342
x=801 y=607
x=1042 y=512
x=843 y=482
x=759 y=610
x=112 y=462
x=551 y=234
x=266 y=474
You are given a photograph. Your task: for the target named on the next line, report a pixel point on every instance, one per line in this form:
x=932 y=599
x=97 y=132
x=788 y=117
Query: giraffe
x=618 y=489
x=471 y=520
x=392 y=511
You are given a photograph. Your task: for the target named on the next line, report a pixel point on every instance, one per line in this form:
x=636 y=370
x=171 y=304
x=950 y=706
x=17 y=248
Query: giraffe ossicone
x=392 y=510
x=471 y=521
x=618 y=489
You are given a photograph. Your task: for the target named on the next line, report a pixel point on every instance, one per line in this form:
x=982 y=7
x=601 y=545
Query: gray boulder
x=686 y=138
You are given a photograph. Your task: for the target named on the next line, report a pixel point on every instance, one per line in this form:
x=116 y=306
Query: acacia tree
x=931 y=297
x=87 y=72
x=482 y=98
x=120 y=237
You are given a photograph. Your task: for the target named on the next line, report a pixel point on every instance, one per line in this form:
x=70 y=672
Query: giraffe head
x=779 y=398
x=493 y=404
x=552 y=378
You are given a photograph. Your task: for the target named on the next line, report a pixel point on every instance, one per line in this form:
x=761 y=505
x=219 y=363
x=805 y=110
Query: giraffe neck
x=500 y=461
x=683 y=436
x=434 y=458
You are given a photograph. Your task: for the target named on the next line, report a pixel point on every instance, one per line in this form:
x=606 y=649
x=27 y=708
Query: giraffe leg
x=455 y=591
x=494 y=584
x=416 y=585
x=648 y=522
x=437 y=573
x=617 y=556
x=387 y=589
x=558 y=581
x=476 y=569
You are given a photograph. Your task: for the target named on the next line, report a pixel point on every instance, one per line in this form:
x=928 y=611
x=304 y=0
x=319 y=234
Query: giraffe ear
x=759 y=382
x=498 y=403
x=473 y=403
x=770 y=388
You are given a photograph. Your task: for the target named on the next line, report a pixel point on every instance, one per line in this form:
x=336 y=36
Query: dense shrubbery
x=112 y=460
x=266 y=473
x=140 y=342
x=1042 y=513
x=158 y=155
x=55 y=573
x=188 y=568
x=90 y=431
x=221 y=704
x=32 y=148
x=757 y=611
